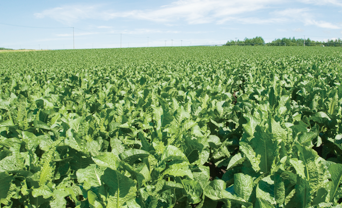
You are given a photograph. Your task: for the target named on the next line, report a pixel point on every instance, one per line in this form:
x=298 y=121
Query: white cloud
x=192 y=11
x=323 y=24
x=322 y=2
x=253 y=20
x=72 y=13
x=304 y=15
x=201 y=11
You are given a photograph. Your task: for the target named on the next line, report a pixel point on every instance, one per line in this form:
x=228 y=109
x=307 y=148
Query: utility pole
x=73 y=37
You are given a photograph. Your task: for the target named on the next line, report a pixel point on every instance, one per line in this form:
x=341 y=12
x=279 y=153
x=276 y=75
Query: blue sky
x=106 y=24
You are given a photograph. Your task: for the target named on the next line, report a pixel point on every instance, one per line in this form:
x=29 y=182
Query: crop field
x=200 y=127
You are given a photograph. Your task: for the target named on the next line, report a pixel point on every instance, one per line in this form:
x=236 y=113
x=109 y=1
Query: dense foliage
x=259 y=41
x=247 y=42
x=171 y=127
x=308 y=42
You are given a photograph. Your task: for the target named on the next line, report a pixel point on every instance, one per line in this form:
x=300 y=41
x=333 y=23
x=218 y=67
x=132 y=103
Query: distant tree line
x=253 y=41
x=284 y=42
x=1 y=48
x=300 y=42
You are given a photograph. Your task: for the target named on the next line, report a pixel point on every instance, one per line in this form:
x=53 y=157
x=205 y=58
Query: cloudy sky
x=49 y=24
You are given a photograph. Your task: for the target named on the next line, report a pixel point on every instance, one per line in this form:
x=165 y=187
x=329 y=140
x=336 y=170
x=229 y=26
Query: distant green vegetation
x=284 y=42
x=247 y=42
x=1 y=48
x=308 y=42
x=182 y=127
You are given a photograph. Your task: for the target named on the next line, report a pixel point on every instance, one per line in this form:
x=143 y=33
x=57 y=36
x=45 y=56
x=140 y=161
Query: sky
x=62 y=24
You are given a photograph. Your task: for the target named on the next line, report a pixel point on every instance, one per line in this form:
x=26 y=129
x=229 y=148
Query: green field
x=171 y=127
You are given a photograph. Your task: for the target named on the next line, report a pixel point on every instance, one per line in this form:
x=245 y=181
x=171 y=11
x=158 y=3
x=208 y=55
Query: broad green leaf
x=172 y=185
x=219 y=107
x=117 y=146
x=11 y=163
x=320 y=117
x=261 y=203
x=107 y=159
x=48 y=165
x=277 y=131
x=243 y=185
x=47 y=172
x=313 y=170
x=93 y=200
x=235 y=161
x=307 y=137
x=133 y=154
x=90 y=176
x=215 y=190
x=249 y=153
x=120 y=189
x=5 y=181
x=298 y=166
x=194 y=191
x=265 y=148
x=265 y=190
x=140 y=177
x=6 y=123
x=279 y=189
x=41 y=125
x=302 y=195
x=173 y=153
x=250 y=126
x=201 y=175
x=272 y=97
x=321 y=196
x=179 y=169
x=214 y=141
x=43 y=191
x=336 y=177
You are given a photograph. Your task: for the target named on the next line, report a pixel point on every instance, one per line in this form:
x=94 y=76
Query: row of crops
x=171 y=127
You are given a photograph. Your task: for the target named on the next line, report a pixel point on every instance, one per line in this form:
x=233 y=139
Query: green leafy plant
x=171 y=127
